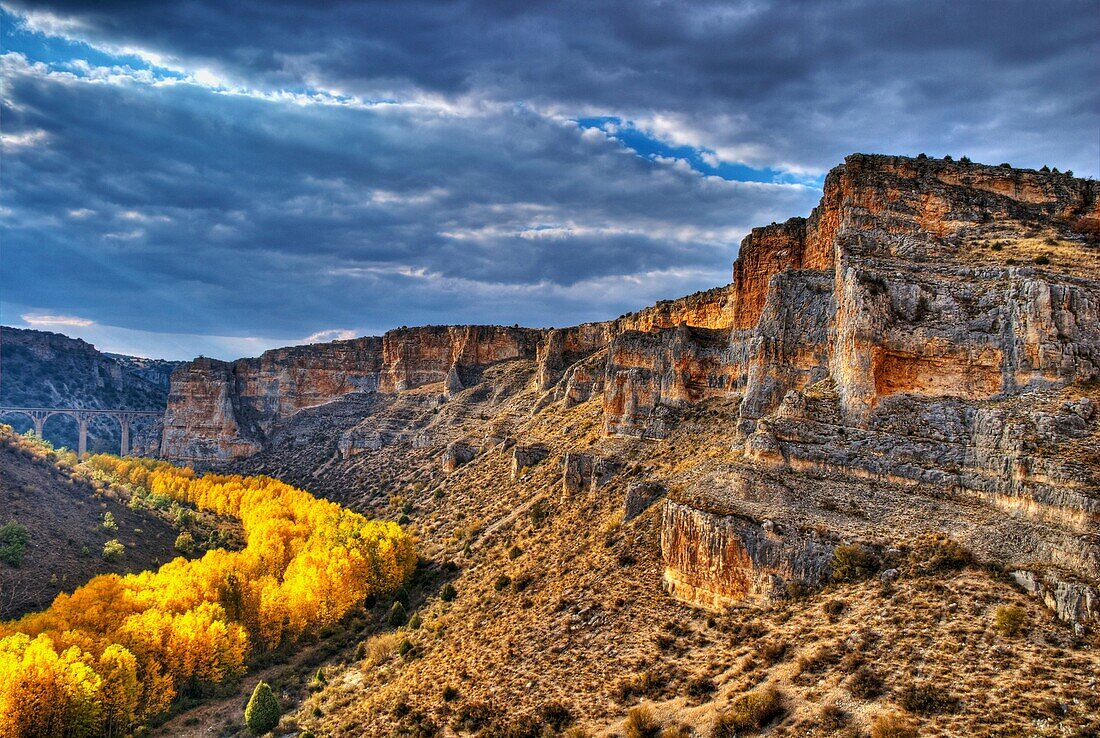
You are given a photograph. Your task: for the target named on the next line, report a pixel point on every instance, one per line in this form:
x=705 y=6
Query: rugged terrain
x=42 y=369
x=851 y=465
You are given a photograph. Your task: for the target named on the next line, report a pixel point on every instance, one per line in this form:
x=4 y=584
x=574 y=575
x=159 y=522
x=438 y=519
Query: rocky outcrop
x=884 y=339
x=649 y=375
x=1073 y=601
x=224 y=410
x=563 y=348
x=457 y=454
x=714 y=560
x=413 y=357
x=583 y=472
x=357 y=440
x=639 y=497
x=524 y=457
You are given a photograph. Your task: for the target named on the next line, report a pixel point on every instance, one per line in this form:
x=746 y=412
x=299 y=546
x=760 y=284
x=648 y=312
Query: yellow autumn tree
x=120 y=649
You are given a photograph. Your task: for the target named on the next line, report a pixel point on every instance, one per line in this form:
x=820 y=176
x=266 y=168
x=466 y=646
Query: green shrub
x=1042 y=260
x=853 y=562
x=262 y=713
x=448 y=593
x=1010 y=620
x=113 y=550
x=185 y=543
x=415 y=621
x=397 y=615
x=109 y=523
x=641 y=723
x=750 y=711
x=450 y=693
x=13 y=543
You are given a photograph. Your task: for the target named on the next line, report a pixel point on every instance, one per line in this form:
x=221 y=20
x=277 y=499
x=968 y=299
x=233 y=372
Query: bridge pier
x=82 y=444
x=124 y=424
x=39 y=421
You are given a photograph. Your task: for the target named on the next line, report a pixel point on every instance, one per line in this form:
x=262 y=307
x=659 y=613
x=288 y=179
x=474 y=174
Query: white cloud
x=39 y=319
x=332 y=334
x=10 y=141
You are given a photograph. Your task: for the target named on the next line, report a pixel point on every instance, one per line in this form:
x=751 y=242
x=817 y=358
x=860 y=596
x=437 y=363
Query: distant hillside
x=42 y=369
x=62 y=513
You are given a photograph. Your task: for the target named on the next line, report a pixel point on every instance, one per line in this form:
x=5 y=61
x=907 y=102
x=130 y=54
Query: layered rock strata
x=929 y=335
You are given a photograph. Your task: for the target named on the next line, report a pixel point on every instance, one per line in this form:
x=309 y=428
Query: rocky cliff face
x=224 y=410
x=925 y=347
x=886 y=338
x=42 y=369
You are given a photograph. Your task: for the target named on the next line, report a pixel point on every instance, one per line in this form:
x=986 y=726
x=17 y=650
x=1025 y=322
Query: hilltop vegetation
x=117 y=651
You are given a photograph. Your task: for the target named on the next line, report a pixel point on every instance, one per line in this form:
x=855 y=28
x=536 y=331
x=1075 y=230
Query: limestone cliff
x=919 y=355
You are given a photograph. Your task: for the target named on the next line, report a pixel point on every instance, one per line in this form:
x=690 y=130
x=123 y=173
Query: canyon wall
x=926 y=344
x=218 y=411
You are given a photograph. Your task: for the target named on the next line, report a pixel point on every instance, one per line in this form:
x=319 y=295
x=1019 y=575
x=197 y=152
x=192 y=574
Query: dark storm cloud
x=796 y=83
x=270 y=170
x=161 y=207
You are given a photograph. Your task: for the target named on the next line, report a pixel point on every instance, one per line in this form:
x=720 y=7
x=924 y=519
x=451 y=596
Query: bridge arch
x=39 y=416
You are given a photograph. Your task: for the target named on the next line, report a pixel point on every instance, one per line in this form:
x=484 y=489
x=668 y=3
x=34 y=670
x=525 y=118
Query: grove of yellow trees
x=120 y=649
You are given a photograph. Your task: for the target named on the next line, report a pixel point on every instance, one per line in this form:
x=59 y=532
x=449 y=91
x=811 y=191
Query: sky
x=186 y=178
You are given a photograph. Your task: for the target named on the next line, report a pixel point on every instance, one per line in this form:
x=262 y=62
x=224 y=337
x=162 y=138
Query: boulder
x=526 y=456
x=457 y=454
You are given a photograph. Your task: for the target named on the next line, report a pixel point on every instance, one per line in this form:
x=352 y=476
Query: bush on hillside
x=893 y=725
x=926 y=699
x=262 y=713
x=113 y=550
x=853 y=562
x=936 y=553
x=13 y=543
x=750 y=711
x=641 y=723
x=865 y=684
x=1010 y=620
x=396 y=616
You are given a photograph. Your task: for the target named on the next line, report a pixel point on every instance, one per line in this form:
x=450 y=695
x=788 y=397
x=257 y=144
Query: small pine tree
x=109 y=523
x=262 y=714
x=448 y=592
x=13 y=543
x=397 y=615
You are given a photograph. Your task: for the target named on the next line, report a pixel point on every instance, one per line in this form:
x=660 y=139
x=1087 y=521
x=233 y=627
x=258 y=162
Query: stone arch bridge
x=39 y=415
